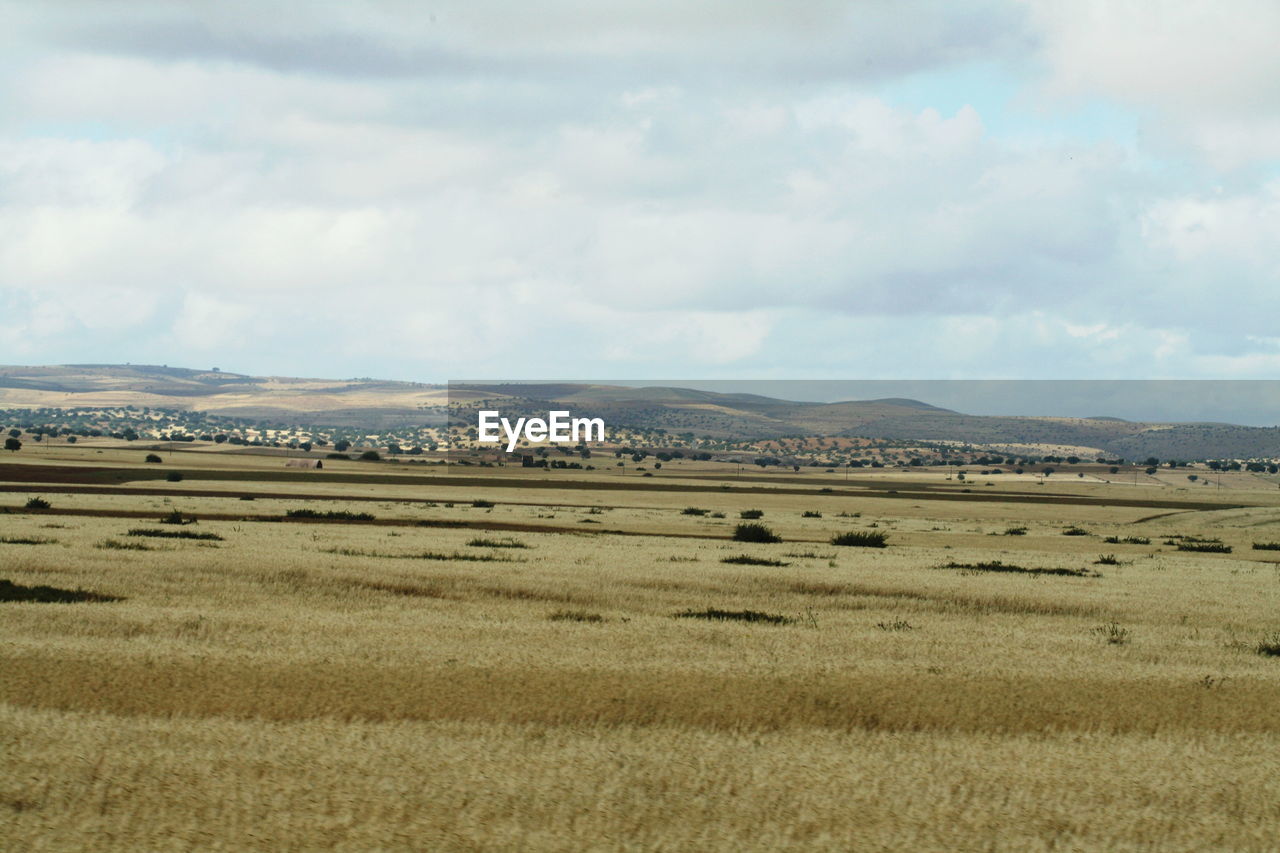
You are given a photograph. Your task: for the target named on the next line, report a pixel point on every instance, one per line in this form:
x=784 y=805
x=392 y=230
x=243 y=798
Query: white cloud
x=646 y=184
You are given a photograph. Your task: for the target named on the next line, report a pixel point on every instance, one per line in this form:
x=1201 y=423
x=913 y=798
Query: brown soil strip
x=463 y=524
x=901 y=702
x=55 y=474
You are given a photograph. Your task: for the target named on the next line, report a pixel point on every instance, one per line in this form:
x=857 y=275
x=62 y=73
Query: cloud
x=1210 y=73
x=363 y=189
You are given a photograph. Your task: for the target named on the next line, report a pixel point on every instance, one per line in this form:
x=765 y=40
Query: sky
x=728 y=189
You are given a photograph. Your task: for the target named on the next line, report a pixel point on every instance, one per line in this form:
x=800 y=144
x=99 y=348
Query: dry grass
x=316 y=685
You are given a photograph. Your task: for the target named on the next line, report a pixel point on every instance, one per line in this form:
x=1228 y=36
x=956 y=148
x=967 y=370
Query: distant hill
x=378 y=404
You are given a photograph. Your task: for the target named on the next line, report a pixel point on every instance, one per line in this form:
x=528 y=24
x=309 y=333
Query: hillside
x=378 y=404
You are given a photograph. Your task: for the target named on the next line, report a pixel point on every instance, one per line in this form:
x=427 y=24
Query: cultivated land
x=507 y=658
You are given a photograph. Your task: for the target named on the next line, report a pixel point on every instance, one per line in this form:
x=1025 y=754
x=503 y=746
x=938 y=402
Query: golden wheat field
x=536 y=661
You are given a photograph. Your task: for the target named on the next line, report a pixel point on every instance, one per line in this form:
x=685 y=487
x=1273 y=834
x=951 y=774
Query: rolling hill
x=377 y=404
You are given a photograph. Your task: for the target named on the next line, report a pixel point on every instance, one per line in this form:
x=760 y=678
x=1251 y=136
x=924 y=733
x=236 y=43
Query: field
x=382 y=656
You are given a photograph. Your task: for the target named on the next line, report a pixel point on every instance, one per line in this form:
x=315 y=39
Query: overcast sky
x=720 y=189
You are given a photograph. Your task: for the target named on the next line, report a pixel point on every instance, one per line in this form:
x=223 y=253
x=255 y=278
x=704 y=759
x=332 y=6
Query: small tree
x=154 y=457
x=12 y=444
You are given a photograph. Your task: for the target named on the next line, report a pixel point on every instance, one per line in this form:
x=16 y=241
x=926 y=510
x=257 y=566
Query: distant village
x=643 y=448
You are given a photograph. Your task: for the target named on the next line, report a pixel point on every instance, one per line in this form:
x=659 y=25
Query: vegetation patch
x=1075 y=531
x=330 y=515
x=693 y=510
x=748 y=560
x=1107 y=560
x=754 y=533
x=575 y=616
x=176 y=517
x=1113 y=634
x=117 y=545
x=998 y=566
x=174 y=534
x=38 y=503
x=811 y=513
x=896 y=625
x=1015 y=531
x=422 y=555
x=1127 y=540
x=1266 y=546
x=480 y=503
x=1205 y=547
x=505 y=542
x=751 y=514
x=861 y=539
x=716 y=614
x=10 y=591
x=25 y=540
x=1269 y=645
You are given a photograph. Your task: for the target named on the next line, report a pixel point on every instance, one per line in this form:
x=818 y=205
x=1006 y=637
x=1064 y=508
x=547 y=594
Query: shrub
x=370 y=456
x=861 y=539
x=811 y=513
x=174 y=477
x=483 y=504
x=1015 y=531
x=154 y=457
x=337 y=456
x=754 y=533
x=896 y=625
x=38 y=503
x=1075 y=531
x=1107 y=560
x=693 y=510
x=751 y=513
x=176 y=517
x=1266 y=546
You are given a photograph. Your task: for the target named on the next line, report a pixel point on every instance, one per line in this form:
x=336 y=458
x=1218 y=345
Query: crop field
x=382 y=657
